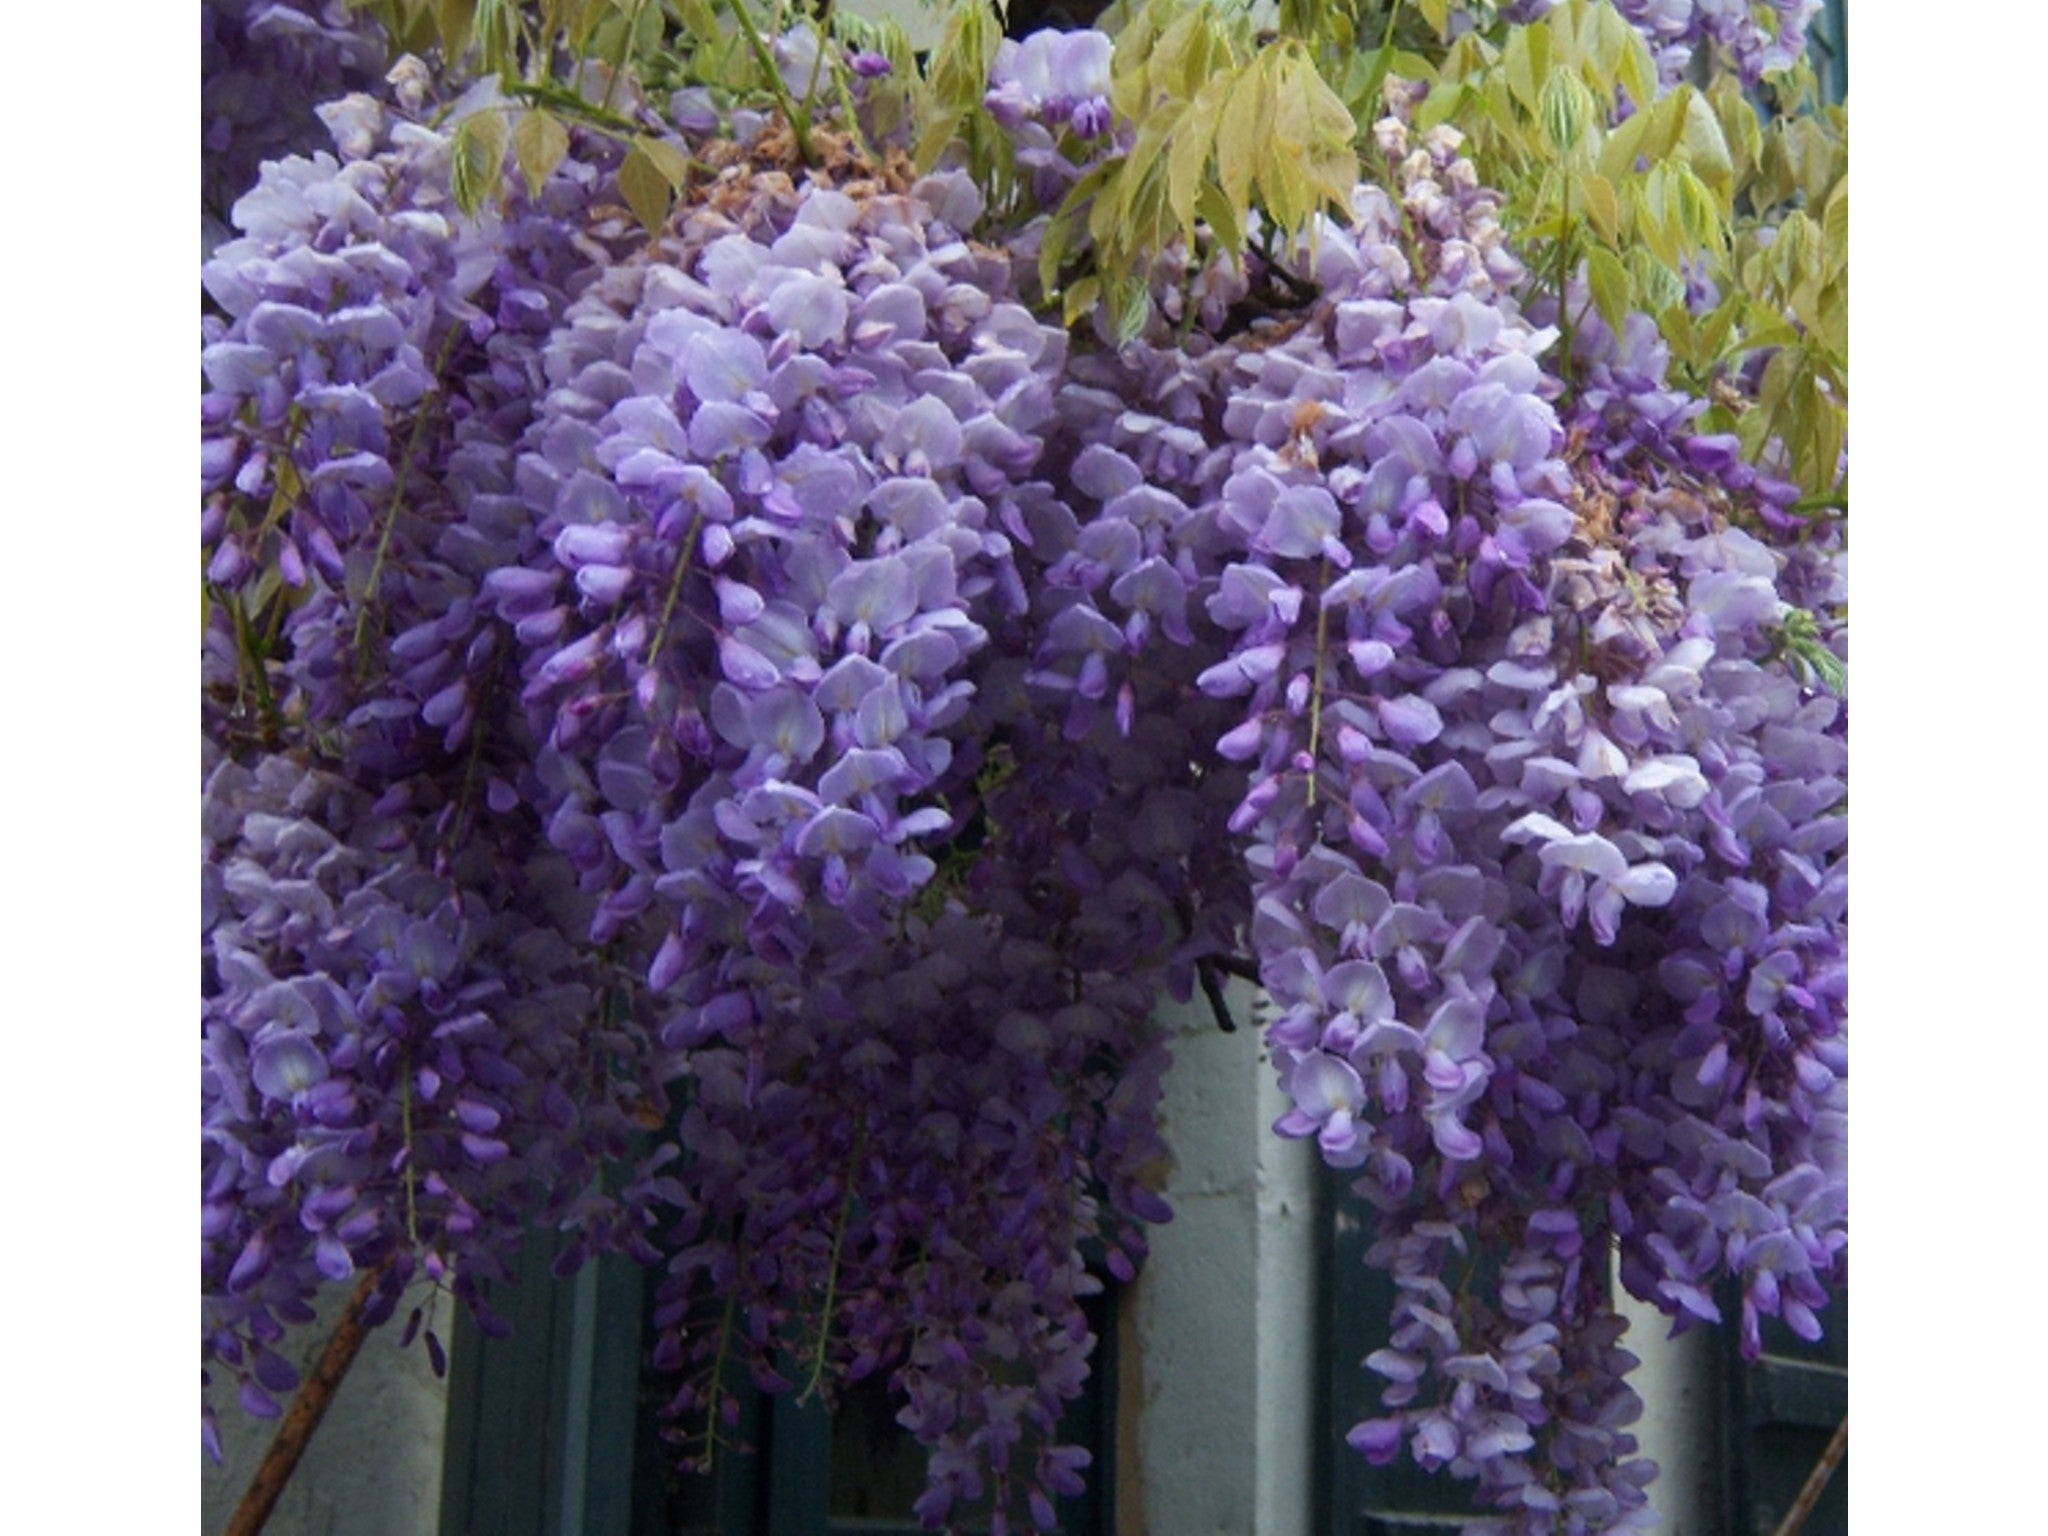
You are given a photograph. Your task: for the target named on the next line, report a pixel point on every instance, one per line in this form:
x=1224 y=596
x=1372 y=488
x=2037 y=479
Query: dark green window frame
x=552 y=1431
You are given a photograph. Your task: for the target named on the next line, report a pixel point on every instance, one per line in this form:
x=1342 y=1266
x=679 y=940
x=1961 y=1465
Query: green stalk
x=799 y=121
x=412 y=1216
x=405 y=464
x=548 y=94
x=725 y=1327
x=1564 y=277
x=619 y=60
x=253 y=655
x=860 y=1143
x=1315 y=698
x=675 y=588
x=817 y=64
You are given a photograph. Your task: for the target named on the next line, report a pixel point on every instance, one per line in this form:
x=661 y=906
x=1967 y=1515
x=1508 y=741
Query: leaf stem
x=547 y=93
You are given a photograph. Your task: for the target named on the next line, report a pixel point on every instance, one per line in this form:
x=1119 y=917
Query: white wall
x=373 y=1467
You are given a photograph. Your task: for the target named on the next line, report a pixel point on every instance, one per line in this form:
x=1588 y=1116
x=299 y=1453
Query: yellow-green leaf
x=1795 y=253
x=1834 y=224
x=673 y=164
x=1448 y=100
x=1154 y=129
x=1657 y=285
x=1706 y=148
x=1714 y=329
x=457 y=18
x=1526 y=60
x=477 y=159
x=1218 y=214
x=539 y=143
x=1081 y=298
x=1649 y=197
x=1194 y=138
x=1602 y=207
x=1133 y=309
x=1438 y=14
x=1241 y=131
x=1741 y=130
x=1831 y=320
x=1636 y=69
x=646 y=190
x=1699 y=218
x=1609 y=280
x=1617 y=160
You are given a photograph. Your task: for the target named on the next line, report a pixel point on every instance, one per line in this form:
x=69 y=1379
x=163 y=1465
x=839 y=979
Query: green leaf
x=1714 y=328
x=1438 y=14
x=1609 y=280
x=1218 y=214
x=1526 y=60
x=1834 y=225
x=1741 y=129
x=1193 y=140
x=1617 y=160
x=1447 y=101
x=1241 y=133
x=477 y=159
x=1656 y=284
x=1796 y=252
x=1602 y=206
x=1674 y=321
x=1636 y=70
x=673 y=164
x=646 y=190
x=1649 y=197
x=1059 y=233
x=1081 y=298
x=1140 y=161
x=1706 y=148
x=1134 y=308
x=1699 y=217
x=539 y=143
x=458 y=21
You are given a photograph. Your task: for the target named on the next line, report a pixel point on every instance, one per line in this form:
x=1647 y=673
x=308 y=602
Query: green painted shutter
x=1784 y=1409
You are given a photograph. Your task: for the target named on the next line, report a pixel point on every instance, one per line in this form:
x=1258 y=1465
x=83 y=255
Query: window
x=553 y=1432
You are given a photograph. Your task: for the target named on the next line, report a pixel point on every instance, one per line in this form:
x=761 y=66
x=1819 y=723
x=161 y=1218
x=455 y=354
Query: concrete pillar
x=1679 y=1429
x=1215 y=1429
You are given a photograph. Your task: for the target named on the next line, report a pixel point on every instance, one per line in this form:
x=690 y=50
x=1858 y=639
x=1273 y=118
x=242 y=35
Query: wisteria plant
x=768 y=594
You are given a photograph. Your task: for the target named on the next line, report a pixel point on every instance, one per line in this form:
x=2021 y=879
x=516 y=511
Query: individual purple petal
x=1409 y=721
x=836 y=830
x=286 y=1064
x=723 y=365
x=812 y=308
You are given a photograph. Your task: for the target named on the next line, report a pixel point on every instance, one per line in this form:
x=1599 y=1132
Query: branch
x=306 y=1411
x=1816 y=1482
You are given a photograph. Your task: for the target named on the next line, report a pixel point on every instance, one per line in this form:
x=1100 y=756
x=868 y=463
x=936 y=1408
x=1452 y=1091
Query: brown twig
x=305 y=1413
x=1816 y=1482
